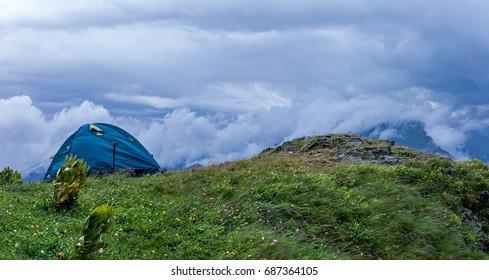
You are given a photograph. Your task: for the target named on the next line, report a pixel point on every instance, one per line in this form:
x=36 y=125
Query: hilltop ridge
x=345 y=147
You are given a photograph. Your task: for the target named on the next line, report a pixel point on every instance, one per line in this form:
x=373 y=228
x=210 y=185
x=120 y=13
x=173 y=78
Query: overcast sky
x=213 y=80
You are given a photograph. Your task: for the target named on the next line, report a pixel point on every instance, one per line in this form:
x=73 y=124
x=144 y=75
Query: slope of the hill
x=325 y=197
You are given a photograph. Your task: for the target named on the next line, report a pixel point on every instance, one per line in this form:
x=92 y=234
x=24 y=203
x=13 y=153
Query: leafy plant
x=69 y=180
x=97 y=222
x=10 y=176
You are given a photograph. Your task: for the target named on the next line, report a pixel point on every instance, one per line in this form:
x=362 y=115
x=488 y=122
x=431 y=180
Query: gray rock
x=286 y=148
x=391 y=160
x=354 y=142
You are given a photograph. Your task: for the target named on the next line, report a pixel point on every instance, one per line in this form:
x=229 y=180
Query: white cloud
x=180 y=138
x=222 y=96
x=152 y=101
x=73 y=117
x=28 y=137
x=24 y=132
x=247 y=97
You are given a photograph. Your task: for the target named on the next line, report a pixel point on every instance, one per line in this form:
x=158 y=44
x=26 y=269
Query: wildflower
x=275 y=241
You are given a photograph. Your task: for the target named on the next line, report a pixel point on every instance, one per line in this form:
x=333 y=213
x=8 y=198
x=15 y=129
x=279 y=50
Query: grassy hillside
x=328 y=197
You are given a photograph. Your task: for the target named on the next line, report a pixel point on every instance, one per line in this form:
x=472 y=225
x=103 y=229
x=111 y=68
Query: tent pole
x=113 y=157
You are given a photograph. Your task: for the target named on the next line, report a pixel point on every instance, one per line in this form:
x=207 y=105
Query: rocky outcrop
x=346 y=147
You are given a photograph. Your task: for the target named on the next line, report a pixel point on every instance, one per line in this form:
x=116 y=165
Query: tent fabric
x=95 y=144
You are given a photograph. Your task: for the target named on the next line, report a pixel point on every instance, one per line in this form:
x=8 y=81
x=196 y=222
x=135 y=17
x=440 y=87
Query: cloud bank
x=183 y=137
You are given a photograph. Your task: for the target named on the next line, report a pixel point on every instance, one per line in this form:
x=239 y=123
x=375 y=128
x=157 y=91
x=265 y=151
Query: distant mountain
x=413 y=134
x=410 y=133
x=35 y=176
x=477 y=145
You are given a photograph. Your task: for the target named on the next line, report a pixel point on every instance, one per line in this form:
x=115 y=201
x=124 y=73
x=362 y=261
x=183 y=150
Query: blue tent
x=105 y=148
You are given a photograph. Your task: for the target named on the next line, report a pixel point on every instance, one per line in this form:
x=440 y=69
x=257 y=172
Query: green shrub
x=10 y=176
x=97 y=222
x=69 y=180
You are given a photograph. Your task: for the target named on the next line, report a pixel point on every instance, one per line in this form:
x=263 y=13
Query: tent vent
x=96 y=129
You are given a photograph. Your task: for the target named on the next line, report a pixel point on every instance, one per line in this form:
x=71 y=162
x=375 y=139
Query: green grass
x=275 y=206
